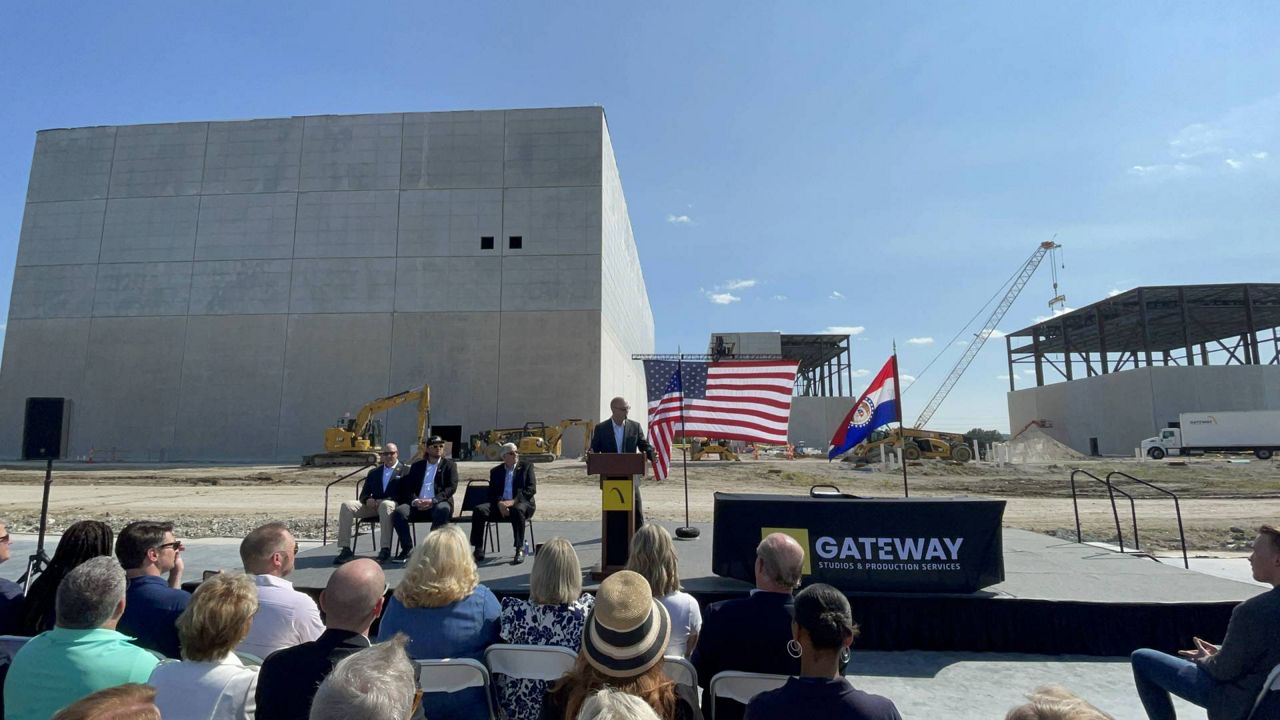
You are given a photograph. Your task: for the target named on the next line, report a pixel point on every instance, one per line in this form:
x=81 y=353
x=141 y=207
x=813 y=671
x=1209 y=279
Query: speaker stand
x=37 y=563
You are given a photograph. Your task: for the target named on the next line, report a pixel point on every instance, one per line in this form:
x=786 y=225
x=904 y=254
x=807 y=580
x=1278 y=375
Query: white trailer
x=1256 y=431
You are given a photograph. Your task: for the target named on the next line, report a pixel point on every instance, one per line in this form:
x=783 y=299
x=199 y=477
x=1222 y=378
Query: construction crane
x=1019 y=282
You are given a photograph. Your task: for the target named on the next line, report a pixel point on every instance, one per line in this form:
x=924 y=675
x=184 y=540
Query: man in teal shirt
x=83 y=653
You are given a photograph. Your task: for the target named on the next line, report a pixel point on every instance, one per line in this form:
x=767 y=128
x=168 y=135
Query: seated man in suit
x=768 y=647
x=426 y=493
x=511 y=489
x=620 y=435
x=377 y=498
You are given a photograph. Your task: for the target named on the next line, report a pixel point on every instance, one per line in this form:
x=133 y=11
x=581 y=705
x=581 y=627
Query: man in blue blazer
x=512 y=486
x=620 y=435
x=378 y=498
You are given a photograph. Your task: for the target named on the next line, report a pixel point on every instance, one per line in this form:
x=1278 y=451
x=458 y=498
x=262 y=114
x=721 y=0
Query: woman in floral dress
x=554 y=614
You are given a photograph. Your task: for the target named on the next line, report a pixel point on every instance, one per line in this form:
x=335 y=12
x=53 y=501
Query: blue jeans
x=1157 y=674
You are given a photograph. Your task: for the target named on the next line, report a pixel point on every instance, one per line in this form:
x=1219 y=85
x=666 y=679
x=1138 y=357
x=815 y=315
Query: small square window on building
x=515 y=242
x=486 y=242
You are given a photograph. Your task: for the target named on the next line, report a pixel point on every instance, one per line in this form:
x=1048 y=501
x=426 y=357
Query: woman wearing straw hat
x=822 y=629
x=622 y=647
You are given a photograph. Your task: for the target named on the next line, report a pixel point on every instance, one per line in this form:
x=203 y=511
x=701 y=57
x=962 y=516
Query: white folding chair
x=11 y=644
x=529 y=662
x=451 y=675
x=1268 y=702
x=680 y=670
x=742 y=686
x=249 y=659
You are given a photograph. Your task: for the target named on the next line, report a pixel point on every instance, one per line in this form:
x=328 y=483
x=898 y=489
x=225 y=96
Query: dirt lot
x=1221 y=501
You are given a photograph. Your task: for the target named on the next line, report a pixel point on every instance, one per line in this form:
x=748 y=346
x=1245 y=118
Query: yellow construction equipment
x=536 y=441
x=358 y=440
x=931 y=444
x=701 y=447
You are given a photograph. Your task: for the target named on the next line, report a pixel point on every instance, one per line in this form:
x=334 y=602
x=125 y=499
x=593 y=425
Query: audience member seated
x=654 y=556
x=622 y=647
x=610 y=704
x=822 y=632
x=83 y=653
x=83 y=540
x=554 y=614
x=1053 y=702
x=378 y=497
x=446 y=613
x=376 y=683
x=132 y=701
x=351 y=601
x=751 y=634
x=147 y=550
x=285 y=616
x=1224 y=679
x=10 y=593
x=211 y=683
x=512 y=485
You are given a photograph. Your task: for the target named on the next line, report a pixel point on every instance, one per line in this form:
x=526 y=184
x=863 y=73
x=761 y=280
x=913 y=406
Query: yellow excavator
x=702 y=447
x=536 y=441
x=932 y=444
x=358 y=440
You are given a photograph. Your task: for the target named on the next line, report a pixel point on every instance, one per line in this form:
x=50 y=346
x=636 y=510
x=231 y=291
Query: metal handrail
x=1115 y=514
x=325 y=537
x=1177 y=509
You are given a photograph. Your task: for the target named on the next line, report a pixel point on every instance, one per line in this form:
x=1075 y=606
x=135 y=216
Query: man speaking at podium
x=620 y=435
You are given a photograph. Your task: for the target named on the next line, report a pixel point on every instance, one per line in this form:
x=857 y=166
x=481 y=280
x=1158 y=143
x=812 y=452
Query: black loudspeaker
x=45 y=428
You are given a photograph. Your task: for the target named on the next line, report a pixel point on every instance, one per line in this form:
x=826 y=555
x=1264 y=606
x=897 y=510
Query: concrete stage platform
x=1057 y=597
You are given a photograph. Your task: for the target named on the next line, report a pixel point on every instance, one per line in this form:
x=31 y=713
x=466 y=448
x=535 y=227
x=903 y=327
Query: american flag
x=732 y=400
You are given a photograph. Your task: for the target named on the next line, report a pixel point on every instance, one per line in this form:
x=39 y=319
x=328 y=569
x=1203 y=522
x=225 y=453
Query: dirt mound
x=1035 y=446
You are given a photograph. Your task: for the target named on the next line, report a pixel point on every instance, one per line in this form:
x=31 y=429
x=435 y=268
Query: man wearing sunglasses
x=10 y=592
x=148 y=552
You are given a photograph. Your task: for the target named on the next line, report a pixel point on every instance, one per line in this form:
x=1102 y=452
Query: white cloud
x=835 y=295
x=920 y=341
x=861 y=372
x=1059 y=311
x=1260 y=155
x=740 y=284
x=779 y=298
x=844 y=330
x=1234 y=138
x=1164 y=171
x=998 y=377
x=723 y=298
x=990 y=334
x=679 y=219
x=906 y=378
x=1233 y=163
x=1114 y=292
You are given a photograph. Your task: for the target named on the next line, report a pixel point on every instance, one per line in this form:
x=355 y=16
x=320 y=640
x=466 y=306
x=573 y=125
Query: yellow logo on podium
x=617 y=495
x=801 y=536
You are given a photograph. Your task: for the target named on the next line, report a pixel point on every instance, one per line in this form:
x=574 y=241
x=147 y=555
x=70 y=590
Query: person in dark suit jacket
x=378 y=497
x=289 y=678
x=426 y=493
x=753 y=634
x=605 y=439
x=507 y=503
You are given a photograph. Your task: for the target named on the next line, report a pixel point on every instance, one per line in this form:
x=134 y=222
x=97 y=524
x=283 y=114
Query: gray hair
x=783 y=559
x=89 y=594
x=376 y=683
x=611 y=704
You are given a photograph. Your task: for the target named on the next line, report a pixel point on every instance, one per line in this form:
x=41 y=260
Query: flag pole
x=902 y=437
x=688 y=532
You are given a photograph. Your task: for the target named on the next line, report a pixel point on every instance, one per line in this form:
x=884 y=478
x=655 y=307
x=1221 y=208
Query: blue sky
x=881 y=166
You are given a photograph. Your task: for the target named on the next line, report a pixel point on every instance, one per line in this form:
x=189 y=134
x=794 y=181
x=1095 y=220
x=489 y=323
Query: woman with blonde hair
x=446 y=613
x=211 y=683
x=622 y=647
x=653 y=555
x=554 y=614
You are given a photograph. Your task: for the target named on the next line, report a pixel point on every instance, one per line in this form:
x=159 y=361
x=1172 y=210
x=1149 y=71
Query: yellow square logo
x=617 y=495
x=801 y=536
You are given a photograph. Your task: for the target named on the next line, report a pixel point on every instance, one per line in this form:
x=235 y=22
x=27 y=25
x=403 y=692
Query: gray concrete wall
x=1122 y=409
x=626 y=322
x=225 y=290
x=814 y=419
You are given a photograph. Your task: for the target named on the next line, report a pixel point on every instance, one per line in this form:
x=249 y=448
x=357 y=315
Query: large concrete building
x=1130 y=364
x=226 y=290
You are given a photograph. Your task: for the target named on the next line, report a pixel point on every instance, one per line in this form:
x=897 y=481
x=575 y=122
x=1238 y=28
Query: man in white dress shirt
x=285 y=616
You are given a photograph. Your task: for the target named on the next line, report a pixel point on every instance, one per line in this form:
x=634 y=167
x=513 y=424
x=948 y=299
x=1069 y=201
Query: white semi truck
x=1256 y=431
